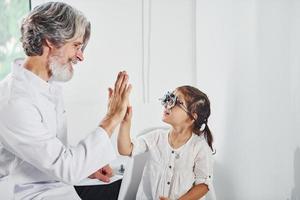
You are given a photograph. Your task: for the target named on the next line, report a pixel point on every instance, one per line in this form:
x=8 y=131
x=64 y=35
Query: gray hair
x=55 y=21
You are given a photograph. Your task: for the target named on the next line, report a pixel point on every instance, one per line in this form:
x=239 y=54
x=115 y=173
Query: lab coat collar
x=46 y=88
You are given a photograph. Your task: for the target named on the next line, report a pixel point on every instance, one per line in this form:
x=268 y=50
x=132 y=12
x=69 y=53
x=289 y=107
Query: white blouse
x=172 y=172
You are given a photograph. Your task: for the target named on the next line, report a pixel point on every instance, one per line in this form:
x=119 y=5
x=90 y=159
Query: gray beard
x=59 y=72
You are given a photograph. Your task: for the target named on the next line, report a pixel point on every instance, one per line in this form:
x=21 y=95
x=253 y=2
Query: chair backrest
x=134 y=170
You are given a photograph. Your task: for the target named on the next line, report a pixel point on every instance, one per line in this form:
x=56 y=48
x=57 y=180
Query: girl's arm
x=196 y=192
x=124 y=142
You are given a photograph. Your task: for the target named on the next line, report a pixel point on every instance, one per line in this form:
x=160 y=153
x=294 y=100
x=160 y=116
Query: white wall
x=248 y=62
x=243 y=54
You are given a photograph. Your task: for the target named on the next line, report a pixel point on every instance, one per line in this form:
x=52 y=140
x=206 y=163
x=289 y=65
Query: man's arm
x=24 y=134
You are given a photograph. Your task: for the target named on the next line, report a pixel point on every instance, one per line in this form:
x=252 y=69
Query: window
x=11 y=15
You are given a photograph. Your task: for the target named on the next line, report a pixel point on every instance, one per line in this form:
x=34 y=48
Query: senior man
x=34 y=152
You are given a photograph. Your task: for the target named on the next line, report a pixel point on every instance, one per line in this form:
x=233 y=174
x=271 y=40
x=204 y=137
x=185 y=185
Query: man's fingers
x=119 y=81
x=101 y=177
x=124 y=84
x=110 y=92
x=92 y=176
x=107 y=170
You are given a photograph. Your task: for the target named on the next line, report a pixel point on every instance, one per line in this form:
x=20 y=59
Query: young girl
x=180 y=163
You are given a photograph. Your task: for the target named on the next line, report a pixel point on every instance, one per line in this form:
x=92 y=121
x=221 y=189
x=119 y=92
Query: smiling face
x=177 y=115
x=62 y=59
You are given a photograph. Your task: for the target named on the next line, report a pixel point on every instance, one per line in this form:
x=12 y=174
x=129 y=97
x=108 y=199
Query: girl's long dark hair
x=199 y=104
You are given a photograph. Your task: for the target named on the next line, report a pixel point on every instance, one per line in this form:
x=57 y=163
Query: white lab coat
x=35 y=159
